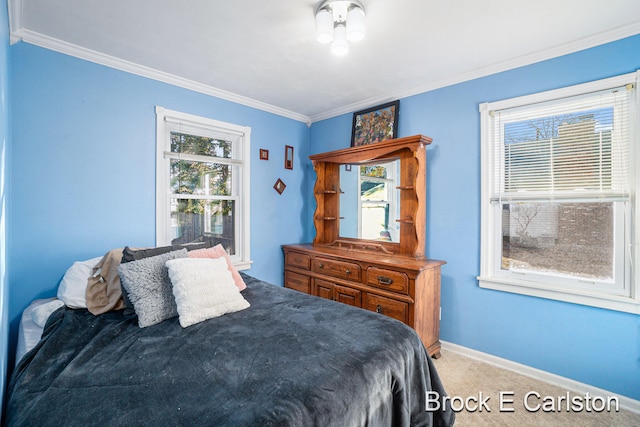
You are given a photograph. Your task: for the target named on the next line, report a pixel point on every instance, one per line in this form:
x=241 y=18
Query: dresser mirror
x=370 y=201
x=372 y=197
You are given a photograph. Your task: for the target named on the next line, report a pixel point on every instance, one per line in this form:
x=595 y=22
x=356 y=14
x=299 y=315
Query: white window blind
x=565 y=149
x=205 y=127
x=559 y=193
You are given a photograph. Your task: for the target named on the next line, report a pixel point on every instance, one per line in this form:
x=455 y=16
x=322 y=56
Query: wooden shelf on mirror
x=405 y=221
x=411 y=154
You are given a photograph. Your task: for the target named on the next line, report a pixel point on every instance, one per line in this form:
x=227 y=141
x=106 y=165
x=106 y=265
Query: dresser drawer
x=389 y=307
x=297 y=281
x=347 y=295
x=341 y=269
x=300 y=260
x=388 y=279
x=324 y=289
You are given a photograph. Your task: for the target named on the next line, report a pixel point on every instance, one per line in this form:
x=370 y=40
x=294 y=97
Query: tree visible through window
x=203 y=183
x=197 y=219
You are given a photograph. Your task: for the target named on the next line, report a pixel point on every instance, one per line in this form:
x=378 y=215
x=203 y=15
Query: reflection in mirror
x=369 y=201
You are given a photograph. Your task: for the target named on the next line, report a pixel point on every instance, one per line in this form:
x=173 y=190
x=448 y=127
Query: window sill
x=242 y=265
x=609 y=302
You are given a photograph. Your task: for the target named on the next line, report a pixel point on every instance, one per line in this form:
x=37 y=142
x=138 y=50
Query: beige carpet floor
x=466 y=378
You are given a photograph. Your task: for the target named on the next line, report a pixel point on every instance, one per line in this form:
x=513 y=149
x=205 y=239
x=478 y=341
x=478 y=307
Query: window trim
x=242 y=258
x=488 y=278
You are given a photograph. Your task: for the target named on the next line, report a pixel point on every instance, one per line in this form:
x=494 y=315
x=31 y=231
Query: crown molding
x=17 y=33
x=15 y=20
x=70 y=49
x=539 y=56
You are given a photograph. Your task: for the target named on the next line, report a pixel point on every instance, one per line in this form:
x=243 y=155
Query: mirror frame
x=412 y=154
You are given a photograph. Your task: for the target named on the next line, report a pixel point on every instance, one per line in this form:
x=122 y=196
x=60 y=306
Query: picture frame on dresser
x=376 y=124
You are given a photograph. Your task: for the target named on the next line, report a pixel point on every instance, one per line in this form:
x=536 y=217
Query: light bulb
x=340 y=46
x=324 y=26
x=355 y=24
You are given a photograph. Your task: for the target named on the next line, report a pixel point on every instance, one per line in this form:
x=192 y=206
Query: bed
x=285 y=358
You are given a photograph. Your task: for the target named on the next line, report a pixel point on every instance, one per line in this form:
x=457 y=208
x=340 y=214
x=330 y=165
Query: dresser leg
x=434 y=350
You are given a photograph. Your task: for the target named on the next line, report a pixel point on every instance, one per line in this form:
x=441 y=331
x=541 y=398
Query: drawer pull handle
x=320 y=265
x=385 y=280
x=379 y=309
x=347 y=271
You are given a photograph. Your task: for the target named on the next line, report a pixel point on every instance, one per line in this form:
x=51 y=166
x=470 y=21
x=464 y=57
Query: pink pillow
x=216 y=252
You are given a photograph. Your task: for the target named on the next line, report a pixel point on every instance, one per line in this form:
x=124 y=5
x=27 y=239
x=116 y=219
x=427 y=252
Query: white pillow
x=41 y=313
x=203 y=288
x=73 y=287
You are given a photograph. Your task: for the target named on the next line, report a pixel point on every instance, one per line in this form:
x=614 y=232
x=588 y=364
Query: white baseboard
x=626 y=403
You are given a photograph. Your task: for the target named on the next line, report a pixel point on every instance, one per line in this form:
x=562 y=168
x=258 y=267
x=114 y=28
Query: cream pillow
x=216 y=252
x=203 y=289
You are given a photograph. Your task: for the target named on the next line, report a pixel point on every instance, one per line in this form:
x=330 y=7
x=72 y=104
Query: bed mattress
x=290 y=359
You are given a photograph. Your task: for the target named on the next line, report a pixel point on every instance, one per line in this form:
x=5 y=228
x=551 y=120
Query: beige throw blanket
x=103 y=287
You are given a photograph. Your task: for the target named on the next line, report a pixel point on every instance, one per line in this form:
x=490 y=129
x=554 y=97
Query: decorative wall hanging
x=375 y=124
x=279 y=186
x=288 y=157
x=264 y=154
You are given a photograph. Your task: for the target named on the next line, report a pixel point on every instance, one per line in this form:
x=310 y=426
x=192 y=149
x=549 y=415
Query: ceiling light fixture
x=339 y=22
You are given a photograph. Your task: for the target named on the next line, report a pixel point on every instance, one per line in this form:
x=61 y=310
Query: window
x=203 y=183
x=558 y=182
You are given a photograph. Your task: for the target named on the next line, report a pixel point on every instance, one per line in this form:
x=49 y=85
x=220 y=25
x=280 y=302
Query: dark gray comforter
x=289 y=360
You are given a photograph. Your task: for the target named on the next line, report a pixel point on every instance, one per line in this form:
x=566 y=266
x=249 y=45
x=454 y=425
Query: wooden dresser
x=389 y=277
x=406 y=289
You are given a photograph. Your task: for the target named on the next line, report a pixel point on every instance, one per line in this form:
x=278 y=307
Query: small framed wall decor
x=288 y=157
x=279 y=186
x=375 y=124
x=264 y=154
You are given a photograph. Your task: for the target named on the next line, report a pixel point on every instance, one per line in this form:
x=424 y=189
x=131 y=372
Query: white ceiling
x=263 y=52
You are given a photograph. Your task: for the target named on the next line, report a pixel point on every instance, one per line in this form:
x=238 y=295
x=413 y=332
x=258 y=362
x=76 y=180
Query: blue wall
x=83 y=168
x=590 y=345
x=4 y=146
x=81 y=181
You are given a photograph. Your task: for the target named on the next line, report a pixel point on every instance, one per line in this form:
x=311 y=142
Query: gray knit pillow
x=149 y=287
